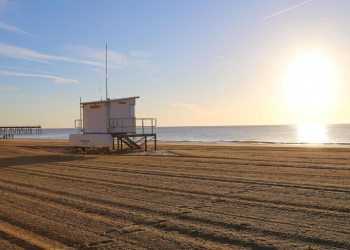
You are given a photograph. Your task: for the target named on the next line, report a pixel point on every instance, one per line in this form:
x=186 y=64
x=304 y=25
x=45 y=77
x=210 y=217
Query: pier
x=9 y=131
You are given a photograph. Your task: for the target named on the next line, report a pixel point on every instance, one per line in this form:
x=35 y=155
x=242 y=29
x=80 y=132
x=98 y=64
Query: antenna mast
x=99 y=84
x=106 y=76
x=107 y=101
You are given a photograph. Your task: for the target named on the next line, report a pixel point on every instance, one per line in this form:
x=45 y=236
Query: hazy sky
x=196 y=62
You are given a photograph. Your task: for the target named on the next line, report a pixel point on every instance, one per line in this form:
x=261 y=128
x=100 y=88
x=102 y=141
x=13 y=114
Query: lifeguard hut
x=106 y=121
x=102 y=123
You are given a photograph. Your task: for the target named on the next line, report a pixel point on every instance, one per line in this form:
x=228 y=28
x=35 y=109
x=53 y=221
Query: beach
x=184 y=196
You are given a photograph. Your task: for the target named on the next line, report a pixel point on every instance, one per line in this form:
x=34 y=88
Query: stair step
x=131 y=144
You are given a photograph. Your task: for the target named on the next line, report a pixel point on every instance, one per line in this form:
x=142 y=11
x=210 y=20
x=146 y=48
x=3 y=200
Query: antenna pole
x=107 y=101
x=99 y=85
x=106 y=76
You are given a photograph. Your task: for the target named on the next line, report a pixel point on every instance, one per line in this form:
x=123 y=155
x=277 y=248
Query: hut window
x=132 y=110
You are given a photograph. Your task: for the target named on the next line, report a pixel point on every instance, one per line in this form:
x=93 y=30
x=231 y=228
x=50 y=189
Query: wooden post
x=146 y=143
x=155 y=142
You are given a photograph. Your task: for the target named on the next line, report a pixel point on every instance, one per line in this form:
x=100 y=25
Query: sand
x=185 y=196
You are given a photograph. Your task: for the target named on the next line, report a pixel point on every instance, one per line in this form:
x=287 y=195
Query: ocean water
x=279 y=134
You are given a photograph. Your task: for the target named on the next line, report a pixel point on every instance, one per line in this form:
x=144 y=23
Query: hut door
x=131 y=110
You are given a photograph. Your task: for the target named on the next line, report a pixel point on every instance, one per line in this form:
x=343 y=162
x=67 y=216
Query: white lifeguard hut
x=96 y=116
x=103 y=122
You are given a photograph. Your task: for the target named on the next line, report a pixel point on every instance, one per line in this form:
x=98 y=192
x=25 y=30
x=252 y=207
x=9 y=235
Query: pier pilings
x=9 y=131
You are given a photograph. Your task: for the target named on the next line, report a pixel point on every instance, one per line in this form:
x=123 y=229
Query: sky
x=193 y=63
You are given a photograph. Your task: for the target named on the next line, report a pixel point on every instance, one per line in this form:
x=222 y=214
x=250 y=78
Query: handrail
x=120 y=123
x=79 y=126
x=80 y=123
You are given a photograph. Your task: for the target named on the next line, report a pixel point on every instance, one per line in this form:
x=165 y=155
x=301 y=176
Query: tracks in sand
x=243 y=198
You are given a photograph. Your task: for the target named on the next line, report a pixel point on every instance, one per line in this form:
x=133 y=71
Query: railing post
x=145 y=143
x=155 y=142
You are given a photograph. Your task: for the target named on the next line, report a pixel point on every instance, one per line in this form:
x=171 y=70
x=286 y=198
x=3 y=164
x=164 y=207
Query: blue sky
x=195 y=62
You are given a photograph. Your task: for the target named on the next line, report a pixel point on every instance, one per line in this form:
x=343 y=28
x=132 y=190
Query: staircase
x=134 y=142
x=131 y=144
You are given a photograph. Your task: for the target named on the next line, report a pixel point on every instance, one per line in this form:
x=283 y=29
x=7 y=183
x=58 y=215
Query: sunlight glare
x=310 y=81
x=312 y=133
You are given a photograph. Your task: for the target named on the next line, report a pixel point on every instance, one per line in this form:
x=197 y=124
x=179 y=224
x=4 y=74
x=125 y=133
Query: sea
x=278 y=134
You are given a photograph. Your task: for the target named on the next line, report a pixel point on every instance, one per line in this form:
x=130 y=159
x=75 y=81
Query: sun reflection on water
x=312 y=133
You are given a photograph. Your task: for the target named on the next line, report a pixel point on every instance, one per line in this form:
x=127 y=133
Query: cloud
x=78 y=77
x=151 y=73
x=145 y=68
x=55 y=78
x=90 y=56
x=26 y=54
x=13 y=29
x=9 y=67
x=187 y=106
x=140 y=53
x=33 y=70
x=97 y=70
x=115 y=59
x=8 y=5
x=9 y=88
x=3 y=4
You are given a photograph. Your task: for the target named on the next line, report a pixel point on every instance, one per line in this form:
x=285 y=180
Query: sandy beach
x=185 y=196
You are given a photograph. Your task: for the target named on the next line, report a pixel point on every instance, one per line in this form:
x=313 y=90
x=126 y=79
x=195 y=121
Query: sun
x=310 y=82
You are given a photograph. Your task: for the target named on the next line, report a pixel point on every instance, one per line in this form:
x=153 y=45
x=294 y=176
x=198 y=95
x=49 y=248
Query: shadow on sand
x=39 y=159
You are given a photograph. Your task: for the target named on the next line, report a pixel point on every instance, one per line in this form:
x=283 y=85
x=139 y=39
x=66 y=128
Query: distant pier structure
x=9 y=131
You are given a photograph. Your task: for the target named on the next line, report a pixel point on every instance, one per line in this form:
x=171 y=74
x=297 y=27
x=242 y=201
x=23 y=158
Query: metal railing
x=131 y=125
x=79 y=125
